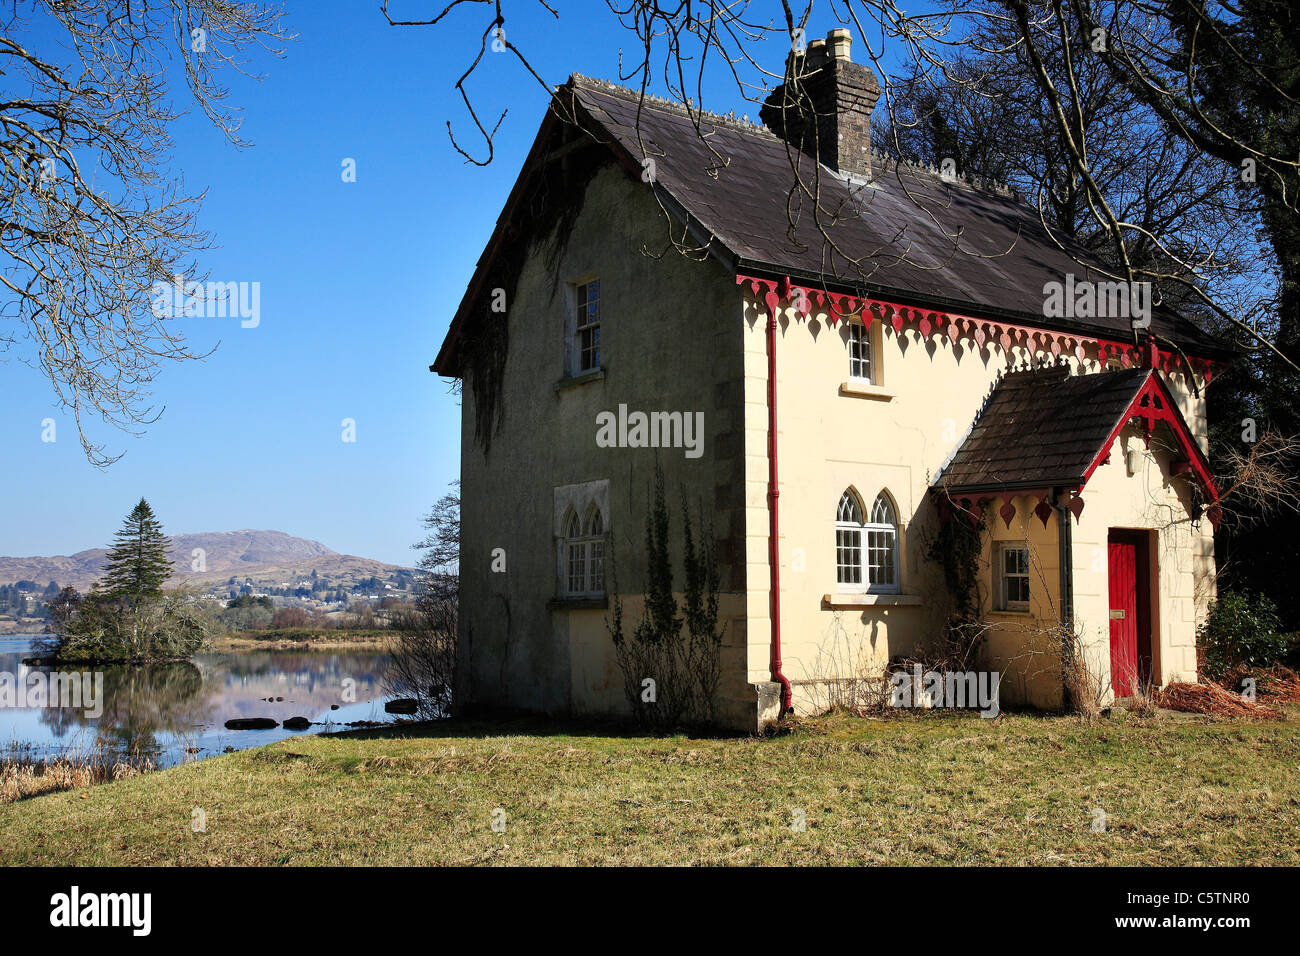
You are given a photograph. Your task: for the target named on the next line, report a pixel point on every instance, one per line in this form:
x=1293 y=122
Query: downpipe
x=773 y=496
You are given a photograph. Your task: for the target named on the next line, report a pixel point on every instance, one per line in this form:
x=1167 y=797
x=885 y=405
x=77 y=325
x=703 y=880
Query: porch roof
x=1048 y=428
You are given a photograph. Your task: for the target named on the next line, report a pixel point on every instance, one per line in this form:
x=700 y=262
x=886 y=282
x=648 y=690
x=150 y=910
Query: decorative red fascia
x=806 y=300
x=973 y=504
x=1152 y=405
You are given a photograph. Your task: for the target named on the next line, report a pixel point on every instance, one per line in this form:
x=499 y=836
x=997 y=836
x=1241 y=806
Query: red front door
x=1130 y=639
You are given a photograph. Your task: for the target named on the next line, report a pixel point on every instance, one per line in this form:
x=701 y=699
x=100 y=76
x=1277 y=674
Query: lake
x=176 y=712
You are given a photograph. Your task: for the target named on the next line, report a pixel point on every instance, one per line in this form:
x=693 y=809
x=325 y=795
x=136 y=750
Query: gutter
x=773 y=521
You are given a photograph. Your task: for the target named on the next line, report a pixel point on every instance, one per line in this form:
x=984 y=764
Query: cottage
x=862 y=363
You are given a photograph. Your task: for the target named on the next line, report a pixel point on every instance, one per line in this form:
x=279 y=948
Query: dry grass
x=1213 y=701
x=22 y=776
x=1276 y=684
x=943 y=789
x=304 y=639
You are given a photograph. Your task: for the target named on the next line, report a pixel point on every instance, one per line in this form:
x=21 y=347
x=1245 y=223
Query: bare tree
x=1156 y=57
x=423 y=660
x=439 y=563
x=1261 y=481
x=422 y=663
x=90 y=220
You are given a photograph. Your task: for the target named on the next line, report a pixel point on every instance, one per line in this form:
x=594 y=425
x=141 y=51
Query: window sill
x=1012 y=612
x=870 y=600
x=578 y=604
x=856 y=389
x=574 y=381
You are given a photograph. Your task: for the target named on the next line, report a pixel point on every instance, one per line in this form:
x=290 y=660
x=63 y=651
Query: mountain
x=211 y=556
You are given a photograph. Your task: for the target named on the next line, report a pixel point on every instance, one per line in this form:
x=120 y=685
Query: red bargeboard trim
x=1152 y=404
x=1008 y=335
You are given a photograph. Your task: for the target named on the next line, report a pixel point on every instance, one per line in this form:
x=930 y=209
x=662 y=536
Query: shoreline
x=303 y=639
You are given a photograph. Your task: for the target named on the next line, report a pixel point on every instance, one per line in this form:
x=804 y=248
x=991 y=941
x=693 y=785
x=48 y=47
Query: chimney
x=828 y=113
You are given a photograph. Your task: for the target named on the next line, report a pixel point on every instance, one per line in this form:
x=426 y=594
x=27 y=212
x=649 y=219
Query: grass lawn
x=952 y=789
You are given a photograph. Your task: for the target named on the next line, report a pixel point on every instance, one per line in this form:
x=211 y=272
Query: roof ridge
x=688 y=109
x=978 y=183
x=881 y=162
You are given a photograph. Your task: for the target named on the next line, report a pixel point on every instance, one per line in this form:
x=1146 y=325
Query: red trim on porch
x=1154 y=404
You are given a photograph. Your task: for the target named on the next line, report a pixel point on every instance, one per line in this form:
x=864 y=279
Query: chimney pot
x=816 y=55
x=838 y=43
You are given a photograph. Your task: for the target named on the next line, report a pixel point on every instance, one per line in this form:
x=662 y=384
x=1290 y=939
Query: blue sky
x=358 y=284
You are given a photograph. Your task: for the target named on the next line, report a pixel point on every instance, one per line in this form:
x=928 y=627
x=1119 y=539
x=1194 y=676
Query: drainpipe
x=773 y=546
x=1065 y=556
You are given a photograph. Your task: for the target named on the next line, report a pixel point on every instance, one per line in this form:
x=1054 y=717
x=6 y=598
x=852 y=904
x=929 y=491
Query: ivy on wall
x=957 y=548
x=543 y=223
x=671 y=659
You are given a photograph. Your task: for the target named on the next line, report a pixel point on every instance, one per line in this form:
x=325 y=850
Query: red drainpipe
x=773 y=546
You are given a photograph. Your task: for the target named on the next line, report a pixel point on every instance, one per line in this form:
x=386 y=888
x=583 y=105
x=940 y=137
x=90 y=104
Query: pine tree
x=137 y=564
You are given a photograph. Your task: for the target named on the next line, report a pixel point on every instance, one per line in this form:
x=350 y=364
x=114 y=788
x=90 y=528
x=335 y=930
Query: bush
x=290 y=617
x=247 y=613
x=102 y=629
x=1241 y=630
x=671 y=661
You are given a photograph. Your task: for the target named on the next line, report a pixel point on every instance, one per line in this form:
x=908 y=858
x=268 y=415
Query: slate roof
x=967 y=249
x=1041 y=428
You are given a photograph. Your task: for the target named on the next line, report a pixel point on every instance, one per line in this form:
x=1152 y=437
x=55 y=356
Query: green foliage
x=678 y=649
x=543 y=223
x=660 y=623
x=957 y=549
x=703 y=657
x=248 y=613
x=1241 y=630
x=137 y=565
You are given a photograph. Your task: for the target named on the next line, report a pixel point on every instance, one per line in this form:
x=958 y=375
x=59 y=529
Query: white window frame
x=888 y=533
x=862 y=338
x=596 y=553
x=582 y=555
x=576 y=324
x=1004 y=601
x=848 y=544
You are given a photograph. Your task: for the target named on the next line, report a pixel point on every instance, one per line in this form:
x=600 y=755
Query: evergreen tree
x=137 y=564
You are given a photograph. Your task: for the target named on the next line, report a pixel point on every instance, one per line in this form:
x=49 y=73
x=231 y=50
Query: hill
x=208 y=557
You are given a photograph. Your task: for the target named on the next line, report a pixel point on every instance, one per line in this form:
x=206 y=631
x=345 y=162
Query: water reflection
x=162 y=711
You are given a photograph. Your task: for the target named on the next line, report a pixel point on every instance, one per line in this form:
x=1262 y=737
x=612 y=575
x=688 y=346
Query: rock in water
x=297 y=723
x=251 y=723
x=402 y=705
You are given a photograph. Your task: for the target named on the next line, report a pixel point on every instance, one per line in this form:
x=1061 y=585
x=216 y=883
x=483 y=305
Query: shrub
x=671 y=661
x=290 y=617
x=1241 y=630
x=103 y=629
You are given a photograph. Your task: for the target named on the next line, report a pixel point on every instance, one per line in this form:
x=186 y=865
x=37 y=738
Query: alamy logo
x=207 y=300
x=79 y=690
x=961 y=690
x=73 y=909
x=651 y=430
x=1098 y=300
